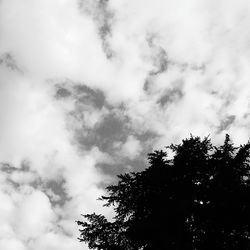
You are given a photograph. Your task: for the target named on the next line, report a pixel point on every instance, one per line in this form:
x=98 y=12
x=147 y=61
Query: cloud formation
x=89 y=87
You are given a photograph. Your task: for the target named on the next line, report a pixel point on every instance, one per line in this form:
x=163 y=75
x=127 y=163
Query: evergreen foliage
x=198 y=200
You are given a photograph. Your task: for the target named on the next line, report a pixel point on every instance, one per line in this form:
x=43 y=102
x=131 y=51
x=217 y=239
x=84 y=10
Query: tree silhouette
x=198 y=199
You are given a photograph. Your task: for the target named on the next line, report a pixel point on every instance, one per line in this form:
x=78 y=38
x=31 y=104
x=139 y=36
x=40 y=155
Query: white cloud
x=33 y=131
x=52 y=34
x=7 y=209
x=35 y=215
x=131 y=148
x=12 y=244
x=53 y=241
x=205 y=48
x=23 y=177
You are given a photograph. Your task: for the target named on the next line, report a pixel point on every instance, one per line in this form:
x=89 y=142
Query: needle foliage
x=197 y=200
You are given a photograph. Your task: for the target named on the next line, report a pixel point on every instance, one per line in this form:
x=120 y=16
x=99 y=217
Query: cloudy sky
x=89 y=87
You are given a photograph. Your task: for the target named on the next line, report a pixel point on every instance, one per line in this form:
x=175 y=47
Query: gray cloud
x=7 y=60
x=56 y=191
x=99 y=10
x=102 y=84
x=171 y=95
x=226 y=123
x=80 y=93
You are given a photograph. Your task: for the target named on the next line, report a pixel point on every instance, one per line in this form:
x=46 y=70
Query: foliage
x=199 y=199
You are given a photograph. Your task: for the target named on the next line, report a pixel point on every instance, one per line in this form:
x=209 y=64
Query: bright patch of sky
x=89 y=87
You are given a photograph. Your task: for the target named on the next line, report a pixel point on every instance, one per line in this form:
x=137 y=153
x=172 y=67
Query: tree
x=198 y=199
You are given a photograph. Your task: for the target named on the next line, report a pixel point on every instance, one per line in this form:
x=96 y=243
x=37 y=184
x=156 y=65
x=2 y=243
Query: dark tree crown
x=198 y=200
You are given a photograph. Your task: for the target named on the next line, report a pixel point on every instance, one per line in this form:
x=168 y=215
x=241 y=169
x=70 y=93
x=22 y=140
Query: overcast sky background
x=89 y=87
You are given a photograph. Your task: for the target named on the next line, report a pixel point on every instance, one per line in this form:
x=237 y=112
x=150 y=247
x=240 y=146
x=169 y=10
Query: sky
x=89 y=87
